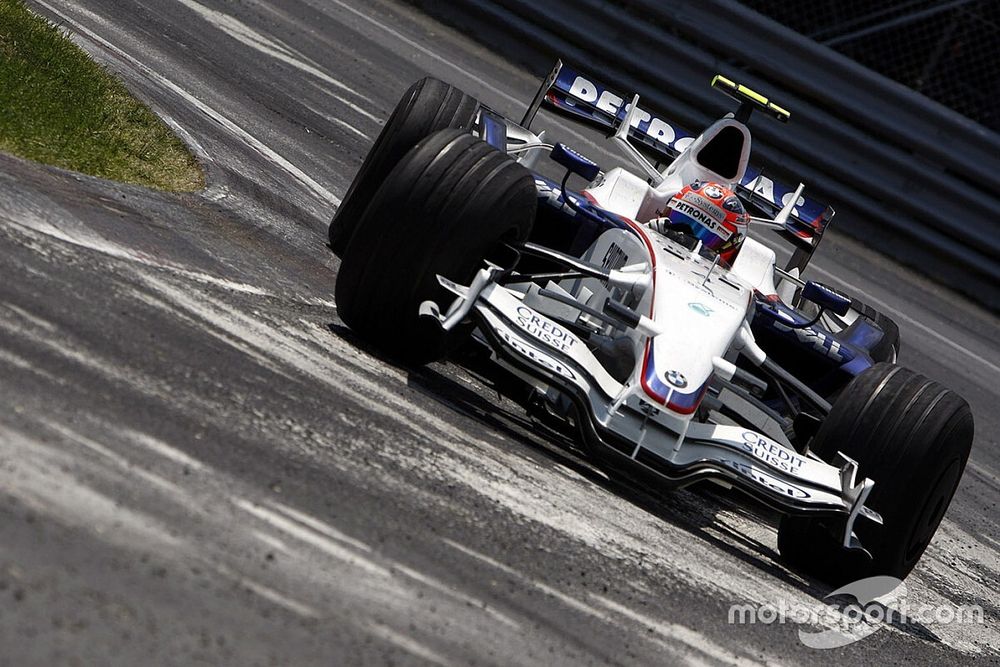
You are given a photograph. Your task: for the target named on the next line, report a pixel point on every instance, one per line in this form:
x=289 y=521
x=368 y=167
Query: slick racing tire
x=450 y=203
x=912 y=437
x=428 y=106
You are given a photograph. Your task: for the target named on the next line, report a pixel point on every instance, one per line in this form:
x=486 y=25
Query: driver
x=710 y=213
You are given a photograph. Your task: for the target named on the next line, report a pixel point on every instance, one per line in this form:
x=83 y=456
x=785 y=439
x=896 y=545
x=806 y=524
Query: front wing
x=626 y=431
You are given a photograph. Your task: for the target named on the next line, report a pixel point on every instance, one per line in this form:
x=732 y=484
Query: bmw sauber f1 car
x=638 y=313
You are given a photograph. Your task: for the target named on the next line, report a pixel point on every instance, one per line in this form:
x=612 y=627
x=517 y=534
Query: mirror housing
x=826 y=297
x=574 y=162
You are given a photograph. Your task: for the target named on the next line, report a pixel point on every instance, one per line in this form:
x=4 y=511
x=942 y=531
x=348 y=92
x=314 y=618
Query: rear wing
x=569 y=93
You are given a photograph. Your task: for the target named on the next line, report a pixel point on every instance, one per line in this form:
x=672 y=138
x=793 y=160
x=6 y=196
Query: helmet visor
x=712 y=233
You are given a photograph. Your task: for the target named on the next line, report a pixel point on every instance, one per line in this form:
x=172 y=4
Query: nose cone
x=679 y=391
x=701 y=318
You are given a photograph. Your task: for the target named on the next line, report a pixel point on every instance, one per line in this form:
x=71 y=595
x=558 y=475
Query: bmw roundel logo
x=713 y=192
x=677 y=379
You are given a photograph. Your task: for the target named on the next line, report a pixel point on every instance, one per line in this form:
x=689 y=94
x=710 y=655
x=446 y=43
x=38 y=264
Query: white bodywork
x=629 y=195
x=704 y=306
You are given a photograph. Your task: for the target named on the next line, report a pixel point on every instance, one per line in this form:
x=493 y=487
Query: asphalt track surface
x=200 y=464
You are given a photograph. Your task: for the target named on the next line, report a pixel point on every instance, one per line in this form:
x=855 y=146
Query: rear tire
x=451 y=201
x=912 y=437
x=428 y=106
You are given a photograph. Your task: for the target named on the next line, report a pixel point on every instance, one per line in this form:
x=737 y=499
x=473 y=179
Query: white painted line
x=992 y=540
x=161 y=448
x=277 y=598
x=22 y=363
x=127 y=467
x=185 y=136
x=271 y=541
x=348 y=103
x=674 y=632
x=344 y=124
x=449 y=591
x=320 y=526
x=269 y=594
x=92 y=241
x=247 y=138
x=309 y=536
x=983 y=472
x=568 y=600
x=33 y=319
x=38 y=474
x=97 y=243
x=336 y=121
x=408 y=644
x=246 y=35
x=208 y=279
x=95 y=447
x=427 y=52
x=215 y=192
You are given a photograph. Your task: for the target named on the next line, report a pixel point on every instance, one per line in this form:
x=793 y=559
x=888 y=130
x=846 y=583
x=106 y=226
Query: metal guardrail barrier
x=908 y=176
x=944 y=49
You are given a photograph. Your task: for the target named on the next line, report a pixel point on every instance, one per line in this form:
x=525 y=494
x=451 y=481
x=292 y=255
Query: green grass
x=59 y=107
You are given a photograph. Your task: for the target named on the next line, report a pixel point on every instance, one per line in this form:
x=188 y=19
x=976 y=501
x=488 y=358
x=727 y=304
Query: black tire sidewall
x=427 y=106
x=905 y=432
x=446 y=205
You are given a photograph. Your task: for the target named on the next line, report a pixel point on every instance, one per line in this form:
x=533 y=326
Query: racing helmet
x=713 y=214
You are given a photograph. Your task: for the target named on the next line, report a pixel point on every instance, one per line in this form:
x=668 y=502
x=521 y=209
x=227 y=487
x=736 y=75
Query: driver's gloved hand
x=664 y=227
x=659 y=224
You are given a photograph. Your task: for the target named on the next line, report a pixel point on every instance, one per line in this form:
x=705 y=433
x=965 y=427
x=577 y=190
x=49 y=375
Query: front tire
x=451 y=202
x=912 y=437
x=428 y=106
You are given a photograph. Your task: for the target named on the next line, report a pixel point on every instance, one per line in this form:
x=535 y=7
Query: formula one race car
x=639 y=314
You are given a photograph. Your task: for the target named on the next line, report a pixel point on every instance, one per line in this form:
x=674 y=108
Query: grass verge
x=59 y=107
